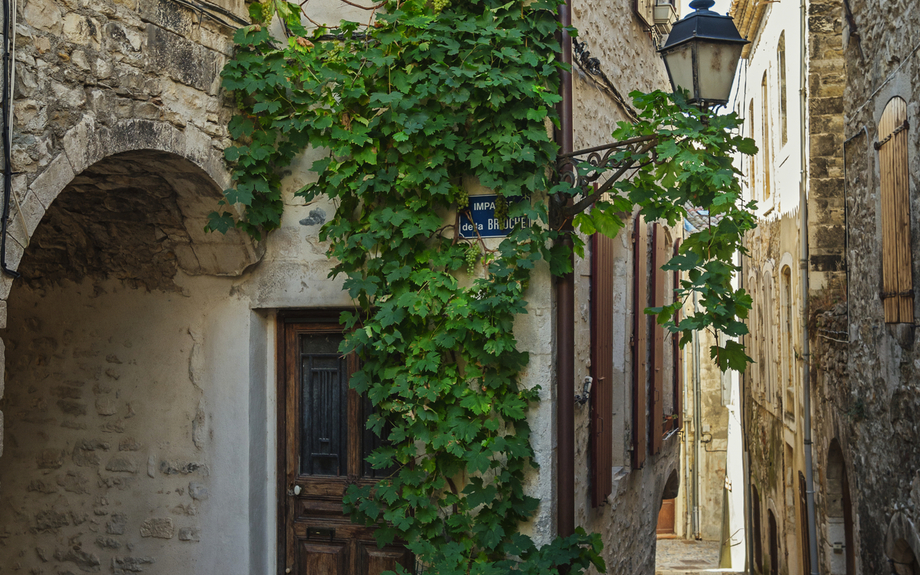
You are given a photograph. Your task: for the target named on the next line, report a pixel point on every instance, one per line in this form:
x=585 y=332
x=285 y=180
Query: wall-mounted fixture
x=586 y=391
x=701 y=54
x=659 y=15
x=664 y=14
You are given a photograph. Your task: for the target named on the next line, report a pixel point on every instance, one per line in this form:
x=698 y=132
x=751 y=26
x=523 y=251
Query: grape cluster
x=267 y=11
x=439 y=5
x=461 y=197
x=501 y=209
x=471 y=255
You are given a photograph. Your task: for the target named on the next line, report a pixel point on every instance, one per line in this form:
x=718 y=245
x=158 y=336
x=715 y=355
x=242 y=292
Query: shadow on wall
x=108 y=456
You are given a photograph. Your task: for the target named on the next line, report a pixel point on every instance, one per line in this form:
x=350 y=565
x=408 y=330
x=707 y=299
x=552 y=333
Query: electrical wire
x=592 y=68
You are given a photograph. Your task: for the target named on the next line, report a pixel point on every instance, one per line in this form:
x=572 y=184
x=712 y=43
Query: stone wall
x=826 y=79
x=626 y=522
x=871 y=412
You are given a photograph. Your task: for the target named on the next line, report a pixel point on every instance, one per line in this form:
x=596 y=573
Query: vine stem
x=375 y=7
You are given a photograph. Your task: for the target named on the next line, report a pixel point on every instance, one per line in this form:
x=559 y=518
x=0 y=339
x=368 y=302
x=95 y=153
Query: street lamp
x=701 y=54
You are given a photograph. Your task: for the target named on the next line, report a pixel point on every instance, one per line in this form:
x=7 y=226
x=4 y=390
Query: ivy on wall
x=406 y=106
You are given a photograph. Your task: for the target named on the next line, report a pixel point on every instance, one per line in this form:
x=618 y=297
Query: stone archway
x=88 y=143
x=124 y=361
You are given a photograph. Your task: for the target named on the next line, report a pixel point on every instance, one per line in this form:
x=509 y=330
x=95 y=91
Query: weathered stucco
x=121 y=451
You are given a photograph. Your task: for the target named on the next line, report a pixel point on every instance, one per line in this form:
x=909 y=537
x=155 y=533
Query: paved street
x=684 y=557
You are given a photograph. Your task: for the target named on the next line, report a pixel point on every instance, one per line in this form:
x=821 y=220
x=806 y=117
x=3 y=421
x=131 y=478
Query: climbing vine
x=408 y=106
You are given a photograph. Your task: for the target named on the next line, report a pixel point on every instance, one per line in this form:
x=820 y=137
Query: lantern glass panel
x=680 y=65
x=717 y=63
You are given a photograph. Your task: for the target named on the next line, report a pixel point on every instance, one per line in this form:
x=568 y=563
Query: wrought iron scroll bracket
x=612 y=160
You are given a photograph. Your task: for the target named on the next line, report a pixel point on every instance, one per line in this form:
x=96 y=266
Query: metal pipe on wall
x=565 y=316
x=806 y=356
x=9 y=33
x=697 y=425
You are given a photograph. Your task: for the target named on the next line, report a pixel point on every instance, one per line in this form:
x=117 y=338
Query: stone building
x=866 y=355
x=144 y=374
x=789 y=93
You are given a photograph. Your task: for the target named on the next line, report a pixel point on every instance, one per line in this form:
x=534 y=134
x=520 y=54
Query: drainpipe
x=697 y=426
x=565 y=316
x=9 y=34
x=806 y=355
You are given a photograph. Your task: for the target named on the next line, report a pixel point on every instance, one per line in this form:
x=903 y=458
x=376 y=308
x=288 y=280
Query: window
x=769 y=337
x=640 y=343
x=765 y=137
x=781 y=64
x=601 y=438
x=897 y=279
x=752 y=172
x=803 y=525
x=788 y=325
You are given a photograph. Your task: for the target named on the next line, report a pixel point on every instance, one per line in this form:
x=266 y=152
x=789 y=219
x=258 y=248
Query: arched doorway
x=773 y=535
x=758 y=537
x=127 y=377
x=839 y=513
x=666 y=513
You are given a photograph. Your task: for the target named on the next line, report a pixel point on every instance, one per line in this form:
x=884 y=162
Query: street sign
x=482 y=210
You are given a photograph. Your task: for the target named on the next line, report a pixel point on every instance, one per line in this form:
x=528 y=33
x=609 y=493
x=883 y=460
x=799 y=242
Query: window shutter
x=897 y=281
x=601 y=443
x=678 y=377
x=659 y=257
x=639 y=344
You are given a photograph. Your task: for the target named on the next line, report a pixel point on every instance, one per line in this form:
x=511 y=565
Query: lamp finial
x=702 y=4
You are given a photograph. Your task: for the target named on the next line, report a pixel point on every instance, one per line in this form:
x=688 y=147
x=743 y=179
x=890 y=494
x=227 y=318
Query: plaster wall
x=708 y=462
x=122 y=448
x=780 y=160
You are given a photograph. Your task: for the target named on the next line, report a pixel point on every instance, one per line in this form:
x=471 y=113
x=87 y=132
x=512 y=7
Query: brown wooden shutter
x=640 y=343
x=678 y=377
x=897 y=281
x=601 y=444
x=659 y=257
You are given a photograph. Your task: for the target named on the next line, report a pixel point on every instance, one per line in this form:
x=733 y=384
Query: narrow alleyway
x=688 y=557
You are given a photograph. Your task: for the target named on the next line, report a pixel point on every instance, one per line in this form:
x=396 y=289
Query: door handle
x=295 y=491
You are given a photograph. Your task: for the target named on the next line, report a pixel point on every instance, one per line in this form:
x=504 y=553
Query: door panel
x=375 y=561
x=322 y=559
x=325 y=442
x=666 y=518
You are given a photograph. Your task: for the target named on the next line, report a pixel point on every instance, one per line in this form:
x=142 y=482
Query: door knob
x=295 y=491
x=288 y=570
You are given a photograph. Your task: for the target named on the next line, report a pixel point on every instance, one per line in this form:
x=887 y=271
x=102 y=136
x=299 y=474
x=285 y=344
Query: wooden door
x=324 y=443
x=665 y=519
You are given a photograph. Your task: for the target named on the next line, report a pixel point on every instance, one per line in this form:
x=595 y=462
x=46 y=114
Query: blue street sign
x=482 y=210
